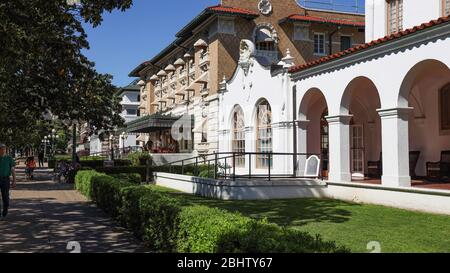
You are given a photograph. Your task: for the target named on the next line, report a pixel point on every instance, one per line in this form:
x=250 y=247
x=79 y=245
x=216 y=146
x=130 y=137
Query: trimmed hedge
x=133 y=178
x=142 y=170
x=165 y=226
x=94 y=164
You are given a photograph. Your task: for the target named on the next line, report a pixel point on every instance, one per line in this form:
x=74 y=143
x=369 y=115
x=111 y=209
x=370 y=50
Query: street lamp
x=45 y=141
x=124 y=137
x=52 y=138
x=111 y=140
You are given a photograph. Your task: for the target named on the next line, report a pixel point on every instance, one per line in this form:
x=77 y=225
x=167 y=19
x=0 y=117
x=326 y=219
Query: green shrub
x=130 y=214
x=106 y=193
x=207 y=174
x=211 y=230
x=133 y=178
x=141 y=170
x=159 y=219
x=139 y=158
x=160 y=215
x=95 y=164
x=201 y=228
x=83 y=181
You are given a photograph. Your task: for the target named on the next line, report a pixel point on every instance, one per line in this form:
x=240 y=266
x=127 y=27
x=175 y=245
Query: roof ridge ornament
x=265 y=7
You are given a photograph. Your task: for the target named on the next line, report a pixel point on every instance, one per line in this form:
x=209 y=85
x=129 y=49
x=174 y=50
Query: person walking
x=7 y=168
x=41 y=159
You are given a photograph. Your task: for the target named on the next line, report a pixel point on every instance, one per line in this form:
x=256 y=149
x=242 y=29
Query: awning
x=264 y=35
x=152 y=123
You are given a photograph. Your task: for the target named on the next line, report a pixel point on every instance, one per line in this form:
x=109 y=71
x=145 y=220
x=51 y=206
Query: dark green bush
x=133 y=178
x=160 y=215
x=83 y=181
x=130 y=214
x=106 y=193
x=95 y=164
x=211 y=230
x=142 y=171
x=165 y=225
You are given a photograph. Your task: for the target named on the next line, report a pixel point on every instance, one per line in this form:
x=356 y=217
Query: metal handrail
x=224 y=156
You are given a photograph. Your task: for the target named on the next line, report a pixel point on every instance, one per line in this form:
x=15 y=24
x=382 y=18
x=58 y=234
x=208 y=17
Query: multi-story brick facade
x=185 y=77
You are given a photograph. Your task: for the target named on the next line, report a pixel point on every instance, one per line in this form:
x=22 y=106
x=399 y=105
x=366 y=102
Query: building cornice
x=424 y=36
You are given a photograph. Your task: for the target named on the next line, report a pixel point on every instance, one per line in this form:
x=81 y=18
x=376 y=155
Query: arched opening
x=426 y=89
x=264 y=135
x=266 y=42
x=238 y=136
x=313 y=136
x=361 y=101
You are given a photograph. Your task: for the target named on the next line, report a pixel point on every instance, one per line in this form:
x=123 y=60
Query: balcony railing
x=271 y=55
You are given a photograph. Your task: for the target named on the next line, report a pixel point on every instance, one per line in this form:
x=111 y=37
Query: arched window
x=264 y=135
x=238 y=140
x=264 y=39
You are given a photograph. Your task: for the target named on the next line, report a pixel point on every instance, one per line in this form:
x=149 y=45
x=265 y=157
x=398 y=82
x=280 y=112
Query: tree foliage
x=43 y=69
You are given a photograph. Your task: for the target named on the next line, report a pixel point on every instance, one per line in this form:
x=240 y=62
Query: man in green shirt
x=7 y=168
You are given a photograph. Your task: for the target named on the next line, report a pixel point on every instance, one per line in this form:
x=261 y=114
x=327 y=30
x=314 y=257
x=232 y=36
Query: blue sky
x=126 y=39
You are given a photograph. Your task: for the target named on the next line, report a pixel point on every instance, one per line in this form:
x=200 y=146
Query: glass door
x=357 y=151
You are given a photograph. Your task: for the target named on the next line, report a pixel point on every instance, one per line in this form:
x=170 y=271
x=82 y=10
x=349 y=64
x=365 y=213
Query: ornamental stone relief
x=265 y=7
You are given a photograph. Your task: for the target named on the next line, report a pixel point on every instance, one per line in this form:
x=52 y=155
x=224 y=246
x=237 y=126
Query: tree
x=43 y=70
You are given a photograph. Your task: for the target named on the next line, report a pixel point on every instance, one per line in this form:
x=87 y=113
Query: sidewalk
x=46 y=216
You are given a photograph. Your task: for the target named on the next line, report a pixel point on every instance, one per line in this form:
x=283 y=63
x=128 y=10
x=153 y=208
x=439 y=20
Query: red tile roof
x=308 y=18
x=359 y=48
x=232 y=10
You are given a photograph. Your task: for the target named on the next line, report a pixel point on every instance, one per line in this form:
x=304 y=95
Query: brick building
x=185 y=77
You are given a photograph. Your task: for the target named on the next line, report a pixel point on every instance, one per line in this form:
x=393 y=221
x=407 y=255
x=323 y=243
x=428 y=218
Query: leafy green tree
x=43 y=70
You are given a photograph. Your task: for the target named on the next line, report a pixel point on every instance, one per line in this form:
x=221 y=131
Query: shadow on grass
x=289 y=212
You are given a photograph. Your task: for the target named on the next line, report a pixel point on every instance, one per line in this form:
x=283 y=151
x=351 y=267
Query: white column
x=395 y=143
x=339 y=148
x=302 y=145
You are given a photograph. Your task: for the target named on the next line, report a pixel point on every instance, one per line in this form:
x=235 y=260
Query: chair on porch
x=375 y=168
x=439 y=170
x=413 y=159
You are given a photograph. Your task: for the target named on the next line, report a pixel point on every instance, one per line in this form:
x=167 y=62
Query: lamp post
x=45 y=142
x=111 y=140
x=52 y=138
x=124 y=137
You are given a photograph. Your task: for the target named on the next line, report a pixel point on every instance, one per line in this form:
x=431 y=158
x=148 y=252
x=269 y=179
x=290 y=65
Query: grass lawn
x=349 y=224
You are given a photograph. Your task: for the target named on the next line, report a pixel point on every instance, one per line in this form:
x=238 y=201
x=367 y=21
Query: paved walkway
x=46 y=216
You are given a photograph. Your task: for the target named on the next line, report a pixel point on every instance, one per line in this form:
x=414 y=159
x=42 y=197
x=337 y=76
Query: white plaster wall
x=387 y=74
x=247 y=91
x=415 y=13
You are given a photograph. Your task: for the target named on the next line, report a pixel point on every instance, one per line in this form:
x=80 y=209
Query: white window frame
x=445 y=8
x=222 y=25
x=319 y=53
x=264 y=136
x=238 y=137
x=304 y=34
x=395 y=7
